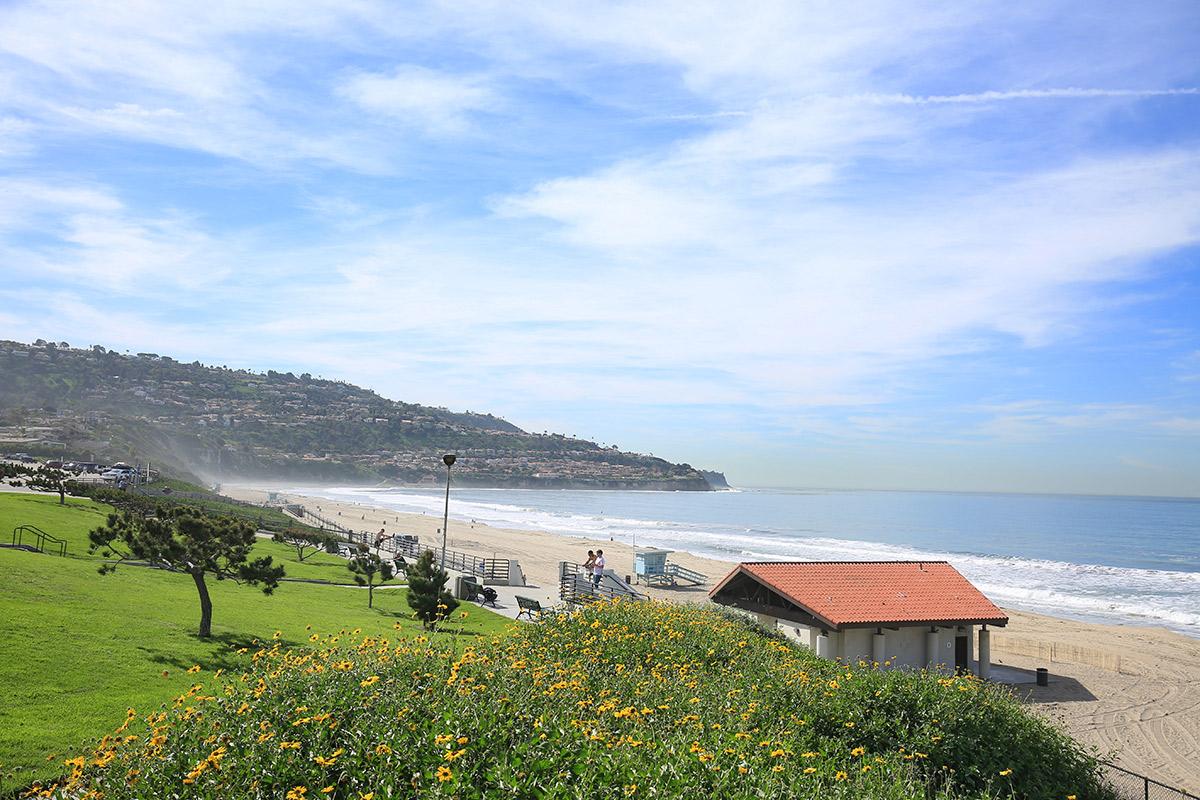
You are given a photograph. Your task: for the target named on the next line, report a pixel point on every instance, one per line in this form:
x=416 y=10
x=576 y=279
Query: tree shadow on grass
x=222 y=654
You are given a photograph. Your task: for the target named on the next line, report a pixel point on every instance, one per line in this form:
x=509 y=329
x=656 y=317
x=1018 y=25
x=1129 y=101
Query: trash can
x=1043 y=676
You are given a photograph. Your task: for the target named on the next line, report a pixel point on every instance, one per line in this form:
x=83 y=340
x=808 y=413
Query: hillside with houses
x=220 y=423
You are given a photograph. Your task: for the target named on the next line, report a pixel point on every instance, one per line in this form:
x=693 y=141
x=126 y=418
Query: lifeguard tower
x=651 y=566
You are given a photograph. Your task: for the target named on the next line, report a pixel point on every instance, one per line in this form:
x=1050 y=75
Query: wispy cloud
x=883 y=214
x=412 y=95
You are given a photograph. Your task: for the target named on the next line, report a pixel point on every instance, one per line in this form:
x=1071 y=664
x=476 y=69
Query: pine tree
x=427 y=594
x=366 y=565
x=189 y=541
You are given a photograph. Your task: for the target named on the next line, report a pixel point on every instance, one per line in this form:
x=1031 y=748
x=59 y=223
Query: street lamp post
x=448 y=460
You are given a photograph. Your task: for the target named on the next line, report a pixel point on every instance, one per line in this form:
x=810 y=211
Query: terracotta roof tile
x=861 y=592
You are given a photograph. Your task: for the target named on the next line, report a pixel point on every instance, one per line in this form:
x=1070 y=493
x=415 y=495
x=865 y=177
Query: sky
x=881 y=245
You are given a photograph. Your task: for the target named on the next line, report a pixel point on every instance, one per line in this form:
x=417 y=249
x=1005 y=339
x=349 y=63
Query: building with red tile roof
x=921 y=614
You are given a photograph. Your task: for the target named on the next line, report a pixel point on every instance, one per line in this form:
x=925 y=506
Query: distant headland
x=219 y=424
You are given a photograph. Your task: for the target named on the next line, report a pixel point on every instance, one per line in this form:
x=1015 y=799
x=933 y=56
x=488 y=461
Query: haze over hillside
x=221 y=424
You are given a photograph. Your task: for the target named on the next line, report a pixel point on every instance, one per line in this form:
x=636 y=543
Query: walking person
x=598 y=569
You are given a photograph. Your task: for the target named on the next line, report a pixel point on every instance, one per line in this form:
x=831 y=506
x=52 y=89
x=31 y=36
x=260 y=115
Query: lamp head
x=449 y=459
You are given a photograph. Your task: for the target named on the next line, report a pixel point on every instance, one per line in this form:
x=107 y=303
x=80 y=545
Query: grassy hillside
x=80 y=648
x=627 y=700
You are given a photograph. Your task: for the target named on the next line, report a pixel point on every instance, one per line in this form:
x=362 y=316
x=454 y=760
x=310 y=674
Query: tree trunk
x=370 y=595
x=205 y=605
x=62 y=495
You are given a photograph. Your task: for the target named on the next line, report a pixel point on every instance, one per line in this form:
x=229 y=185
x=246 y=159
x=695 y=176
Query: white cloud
x=1183 y=425
x=85 y=232
x=437 y=102
x=859 y=198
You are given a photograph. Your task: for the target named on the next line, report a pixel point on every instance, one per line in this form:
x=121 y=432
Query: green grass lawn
x=80 y=648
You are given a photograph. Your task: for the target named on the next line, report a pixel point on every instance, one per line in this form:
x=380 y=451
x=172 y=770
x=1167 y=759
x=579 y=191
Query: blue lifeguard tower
x=650 y=565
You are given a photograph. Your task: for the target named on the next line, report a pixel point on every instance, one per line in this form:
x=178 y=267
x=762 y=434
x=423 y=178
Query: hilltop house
x=898 y=613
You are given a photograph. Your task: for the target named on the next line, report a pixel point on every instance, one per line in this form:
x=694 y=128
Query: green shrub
x=642 y=700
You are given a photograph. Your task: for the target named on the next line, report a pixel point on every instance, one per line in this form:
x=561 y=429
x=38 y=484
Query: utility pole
x=448 y=460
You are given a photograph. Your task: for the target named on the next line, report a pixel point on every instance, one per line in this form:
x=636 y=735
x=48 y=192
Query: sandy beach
x=1132 y=692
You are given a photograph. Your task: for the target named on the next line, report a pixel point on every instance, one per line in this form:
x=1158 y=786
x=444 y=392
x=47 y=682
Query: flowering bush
x=630 y=700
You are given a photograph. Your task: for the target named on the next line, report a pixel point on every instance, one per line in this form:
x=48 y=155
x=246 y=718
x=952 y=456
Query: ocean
x=1103 y=559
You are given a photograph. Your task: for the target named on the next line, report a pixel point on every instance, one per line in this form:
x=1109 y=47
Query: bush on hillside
x=427 y=594
x=623 y=700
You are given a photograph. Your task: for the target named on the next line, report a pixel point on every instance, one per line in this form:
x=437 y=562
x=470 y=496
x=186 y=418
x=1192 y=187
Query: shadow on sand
x=1023 y=682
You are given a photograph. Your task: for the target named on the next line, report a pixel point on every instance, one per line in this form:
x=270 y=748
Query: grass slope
x=79 y=648
x=625 y=700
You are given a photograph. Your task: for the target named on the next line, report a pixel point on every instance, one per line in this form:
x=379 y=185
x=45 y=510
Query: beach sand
x=1133 y=692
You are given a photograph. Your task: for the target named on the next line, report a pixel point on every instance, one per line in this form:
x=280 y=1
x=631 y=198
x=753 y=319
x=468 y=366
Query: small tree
x=305 y=542
x=427 y=593
x=366 y=566
x=41 y=478
x=187 y=540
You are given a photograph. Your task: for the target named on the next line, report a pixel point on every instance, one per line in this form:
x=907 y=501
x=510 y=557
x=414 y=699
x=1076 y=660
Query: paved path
x=506 y=603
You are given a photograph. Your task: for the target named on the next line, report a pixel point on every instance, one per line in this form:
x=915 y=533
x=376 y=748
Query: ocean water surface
x=1105 y=559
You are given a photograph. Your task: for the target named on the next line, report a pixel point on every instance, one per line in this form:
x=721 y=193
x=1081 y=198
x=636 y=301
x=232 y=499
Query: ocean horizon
x=1099 y=558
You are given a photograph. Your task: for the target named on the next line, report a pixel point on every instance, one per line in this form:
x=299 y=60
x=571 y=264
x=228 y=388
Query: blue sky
x=896 y=245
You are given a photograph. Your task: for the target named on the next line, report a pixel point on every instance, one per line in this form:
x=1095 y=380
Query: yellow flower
x=327 y=790
x=192 y=670
x=777 y=754
x=840 y=775
x=858 y=751
x=382 y=750
x=777 y=768
x=809 y=770
x=849 y=724
x=297 y=793
x=453 y=755
x=371 y=681
x=1004 y=773
x=444 y=774
x=289 y=746
x=463 y=739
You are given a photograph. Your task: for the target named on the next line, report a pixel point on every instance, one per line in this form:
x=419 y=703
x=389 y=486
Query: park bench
x=529 y=606
x=484 y=595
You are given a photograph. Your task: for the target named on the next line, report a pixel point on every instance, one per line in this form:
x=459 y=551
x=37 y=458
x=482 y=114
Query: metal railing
x=683 y=573
x=40 y=540
x=324 y=523
x=576 y=587
x=1132 y=786
x=411 y=547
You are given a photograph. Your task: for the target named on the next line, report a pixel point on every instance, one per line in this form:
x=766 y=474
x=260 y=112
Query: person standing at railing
x=598 y=569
